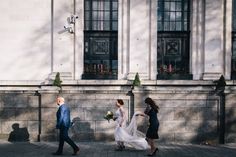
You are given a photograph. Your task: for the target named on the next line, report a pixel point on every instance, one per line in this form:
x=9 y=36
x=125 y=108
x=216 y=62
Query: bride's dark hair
x=120 y=101
x=153 y=105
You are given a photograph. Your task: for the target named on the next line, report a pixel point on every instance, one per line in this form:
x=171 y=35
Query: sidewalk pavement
x=106 y=149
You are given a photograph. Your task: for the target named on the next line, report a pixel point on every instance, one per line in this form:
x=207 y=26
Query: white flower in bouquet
x=109 y=115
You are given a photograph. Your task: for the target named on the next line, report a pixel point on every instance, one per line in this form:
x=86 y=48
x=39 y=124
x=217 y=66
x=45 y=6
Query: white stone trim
x=228 y=38
x=197 y=39
x=123 y=38
x=139 y=35
x=63 y=41
x=51 y=36
x=213 y=50
x=109 y=82
x=153 y=40
x=79 y=40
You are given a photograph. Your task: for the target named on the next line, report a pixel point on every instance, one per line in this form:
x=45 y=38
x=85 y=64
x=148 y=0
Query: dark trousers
x=63 y=136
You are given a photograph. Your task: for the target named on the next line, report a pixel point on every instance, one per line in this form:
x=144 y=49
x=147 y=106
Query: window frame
x=174 y=69
x=100 y=35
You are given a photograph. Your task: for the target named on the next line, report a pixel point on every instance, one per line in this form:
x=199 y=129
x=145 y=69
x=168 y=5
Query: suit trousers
x=63 y=136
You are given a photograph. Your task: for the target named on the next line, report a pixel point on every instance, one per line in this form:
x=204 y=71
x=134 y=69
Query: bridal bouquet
x=109 y=115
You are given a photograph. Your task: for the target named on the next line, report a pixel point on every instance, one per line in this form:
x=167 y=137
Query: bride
x=128 y=134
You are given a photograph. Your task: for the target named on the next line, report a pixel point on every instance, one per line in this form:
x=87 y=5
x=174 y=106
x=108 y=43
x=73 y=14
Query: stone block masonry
x=186 y=114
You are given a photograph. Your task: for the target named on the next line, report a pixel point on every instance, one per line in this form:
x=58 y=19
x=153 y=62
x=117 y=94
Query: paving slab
x=107 y=149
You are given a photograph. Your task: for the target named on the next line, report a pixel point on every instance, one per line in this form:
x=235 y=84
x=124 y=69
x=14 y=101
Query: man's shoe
x=57 y=153
x=76 y=151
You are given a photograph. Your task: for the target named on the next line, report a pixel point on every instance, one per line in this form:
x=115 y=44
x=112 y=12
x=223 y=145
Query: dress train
x=131 y=136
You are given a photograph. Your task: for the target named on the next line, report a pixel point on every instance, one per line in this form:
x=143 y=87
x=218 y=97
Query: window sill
x=167 y=76
x=99 y=77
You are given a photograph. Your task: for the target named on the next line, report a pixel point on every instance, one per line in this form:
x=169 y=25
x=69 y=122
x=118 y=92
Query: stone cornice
x=39 y=83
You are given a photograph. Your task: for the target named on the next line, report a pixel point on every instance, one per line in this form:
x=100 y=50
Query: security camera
x=71 y=19
x=69 y=29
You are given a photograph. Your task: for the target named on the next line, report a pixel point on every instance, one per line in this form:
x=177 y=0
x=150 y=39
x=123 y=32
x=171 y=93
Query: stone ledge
x=21 y=83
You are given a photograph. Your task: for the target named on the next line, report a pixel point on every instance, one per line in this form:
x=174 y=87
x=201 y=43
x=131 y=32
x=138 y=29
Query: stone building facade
x=179 y=48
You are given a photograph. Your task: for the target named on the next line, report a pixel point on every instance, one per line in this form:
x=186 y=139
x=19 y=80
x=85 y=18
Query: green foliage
x=57 y=82
x=136 y=81
x=220 y=84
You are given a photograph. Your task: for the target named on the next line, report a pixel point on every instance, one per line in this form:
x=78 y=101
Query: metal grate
x=173 y=39
x=100 y=39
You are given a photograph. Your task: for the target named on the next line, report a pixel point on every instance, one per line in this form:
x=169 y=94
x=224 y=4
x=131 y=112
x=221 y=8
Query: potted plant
x=57 y=82
x=136 y=81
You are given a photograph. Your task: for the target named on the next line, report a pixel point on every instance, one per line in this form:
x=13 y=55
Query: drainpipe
x=131 y=111
x=220 y=87
x=39 y=114
x=222 y=119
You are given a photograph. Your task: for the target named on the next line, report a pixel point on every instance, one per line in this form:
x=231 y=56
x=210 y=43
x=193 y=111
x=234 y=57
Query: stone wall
x=19 y=109
x=87 y=112
x=230 y=112
x=188 y=113
x=184 y=115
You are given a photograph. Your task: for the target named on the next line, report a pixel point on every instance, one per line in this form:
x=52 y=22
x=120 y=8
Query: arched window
x=173 y=34
x=233 y=64
x=100 y=39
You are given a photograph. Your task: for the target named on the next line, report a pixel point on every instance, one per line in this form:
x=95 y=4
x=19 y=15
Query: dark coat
x=63 y=117
x=152 y=131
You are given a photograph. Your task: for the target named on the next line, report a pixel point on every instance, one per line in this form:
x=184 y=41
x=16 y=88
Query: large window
x=100 y=39
x=233 y=64
x=173 y=39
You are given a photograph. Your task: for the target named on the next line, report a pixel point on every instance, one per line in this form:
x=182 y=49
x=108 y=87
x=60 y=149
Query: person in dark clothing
x=152 y=132
x=63 y=124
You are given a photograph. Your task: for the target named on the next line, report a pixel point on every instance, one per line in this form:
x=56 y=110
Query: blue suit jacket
x=63 y=117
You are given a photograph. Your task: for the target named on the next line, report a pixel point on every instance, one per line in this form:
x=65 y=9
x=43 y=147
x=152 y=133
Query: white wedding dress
x=129 y=134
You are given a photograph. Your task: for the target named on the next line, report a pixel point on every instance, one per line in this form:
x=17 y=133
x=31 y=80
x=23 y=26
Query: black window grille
x=233 y=62
x=173 y=39
x=100 y=39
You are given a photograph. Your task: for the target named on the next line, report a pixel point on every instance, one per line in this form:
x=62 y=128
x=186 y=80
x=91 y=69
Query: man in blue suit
x=63 y=124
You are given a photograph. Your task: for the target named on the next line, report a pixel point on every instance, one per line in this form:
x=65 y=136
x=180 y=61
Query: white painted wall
x=139 y=35
x=63 y=41
x=25 y=39
x=27 y=52
x=213 y=53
